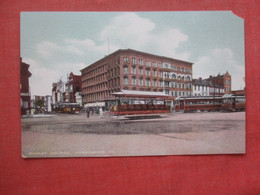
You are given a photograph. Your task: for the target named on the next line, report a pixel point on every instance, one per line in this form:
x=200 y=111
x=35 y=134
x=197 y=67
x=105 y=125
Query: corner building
x=128 y=69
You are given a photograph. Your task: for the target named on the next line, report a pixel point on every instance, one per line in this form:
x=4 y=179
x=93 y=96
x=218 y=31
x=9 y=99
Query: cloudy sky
x=57 y=43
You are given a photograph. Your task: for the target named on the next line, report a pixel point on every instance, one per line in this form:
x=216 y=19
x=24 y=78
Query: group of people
x=98 y=110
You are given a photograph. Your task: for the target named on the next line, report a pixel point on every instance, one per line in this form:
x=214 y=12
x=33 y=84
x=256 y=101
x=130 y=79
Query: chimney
x=210 y=76
x=200 y=78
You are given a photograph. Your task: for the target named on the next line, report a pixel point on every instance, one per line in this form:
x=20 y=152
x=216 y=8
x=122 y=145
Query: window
x=179 y=85
x=133 y=70
x=174 y=68
x=160 y=65
x=188 y=78
x=141 y=82
x=141 y=71
x=195 y=87
x=141 y=61
x=166 y=65
x=148 y=63
x=173 y=76
x=154 y=73
x=167 y=92
x=166 y=83
x=160 y=74
x=125 y=70
x=179 y=93
x=160 y=84
x=148 y=72
x=133 y=81
x=133 y=60
x=147 y=82
x=125 y=59
x=154 y=64
x=176 y=93
x=126 y=81
x=198 y=87
x=154 y=83
x=167 y=75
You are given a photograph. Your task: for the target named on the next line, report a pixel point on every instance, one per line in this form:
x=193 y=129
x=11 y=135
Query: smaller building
x=72 y=86
x=212 y=86
x=78 y=96
x=241 y=92
x=25 y=88
x=58 y=93
x=47 y=103
x=223 y=81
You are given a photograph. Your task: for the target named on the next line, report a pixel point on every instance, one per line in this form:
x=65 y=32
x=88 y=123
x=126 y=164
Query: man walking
x=88 y=111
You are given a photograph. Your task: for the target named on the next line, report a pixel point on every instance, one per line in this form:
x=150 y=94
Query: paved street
x=184 y=133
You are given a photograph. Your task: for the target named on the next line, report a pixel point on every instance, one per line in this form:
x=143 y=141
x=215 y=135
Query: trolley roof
x=147 y=94
x=197 y=97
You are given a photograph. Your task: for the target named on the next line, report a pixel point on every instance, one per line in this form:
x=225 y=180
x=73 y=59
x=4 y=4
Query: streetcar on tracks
x=67 y=107
x=227 y=102
x=198 y=103
x=232 y=102
x=128 y=102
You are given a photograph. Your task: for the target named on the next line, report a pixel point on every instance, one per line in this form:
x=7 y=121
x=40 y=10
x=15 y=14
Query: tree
x=39 y=103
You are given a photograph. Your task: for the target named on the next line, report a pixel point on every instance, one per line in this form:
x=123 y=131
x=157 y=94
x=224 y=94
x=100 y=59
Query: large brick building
x=128 y=69
x=25 y=88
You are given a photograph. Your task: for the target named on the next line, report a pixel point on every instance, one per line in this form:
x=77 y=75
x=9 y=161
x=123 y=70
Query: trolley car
x=198 y=103
x=139 y=102
x=232 y=102
x=66 y=107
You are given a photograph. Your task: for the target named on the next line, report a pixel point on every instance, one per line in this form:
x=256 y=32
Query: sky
x=57 y=43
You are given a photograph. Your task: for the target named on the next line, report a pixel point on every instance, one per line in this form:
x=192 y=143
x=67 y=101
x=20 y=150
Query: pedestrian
x=88 y=111
x=100 y=112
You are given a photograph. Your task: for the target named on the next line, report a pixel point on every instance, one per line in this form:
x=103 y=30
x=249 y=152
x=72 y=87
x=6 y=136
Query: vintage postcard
x=100 y=84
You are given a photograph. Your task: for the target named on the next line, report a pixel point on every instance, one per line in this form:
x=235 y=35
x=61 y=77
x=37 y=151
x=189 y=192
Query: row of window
x=155 y=64
x=173 y=67
x=149 y=82
x=227 y=89
x=204 y=88
x=154 y=73
x=174 y=76
x=178 y=93
x=143 y=82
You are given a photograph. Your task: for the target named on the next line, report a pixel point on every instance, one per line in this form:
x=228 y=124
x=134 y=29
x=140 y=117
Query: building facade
x=25 y=88
x=58 y=93
x=203 y=87
x=72 y=86
x=47 y=103
x=223 y=80
x=134 y=70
